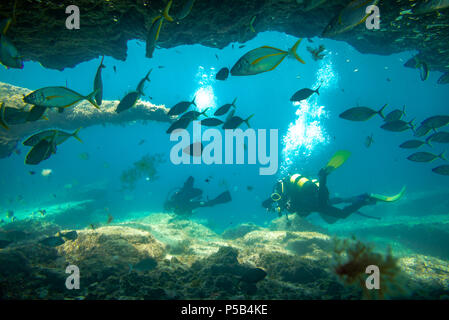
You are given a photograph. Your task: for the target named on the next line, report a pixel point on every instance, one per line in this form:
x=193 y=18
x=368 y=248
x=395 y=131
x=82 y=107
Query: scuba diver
x=300 y=195
x=188 y=198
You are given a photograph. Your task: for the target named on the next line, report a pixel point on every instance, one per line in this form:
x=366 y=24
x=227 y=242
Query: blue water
x=349 y=78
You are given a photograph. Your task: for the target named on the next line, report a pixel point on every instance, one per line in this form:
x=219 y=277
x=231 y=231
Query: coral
x=39 y=30
x=353 y=257
x=193 y=262
x=81 y=115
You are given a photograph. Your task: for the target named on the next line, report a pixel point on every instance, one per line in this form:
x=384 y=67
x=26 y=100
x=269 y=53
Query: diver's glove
x=268 y=204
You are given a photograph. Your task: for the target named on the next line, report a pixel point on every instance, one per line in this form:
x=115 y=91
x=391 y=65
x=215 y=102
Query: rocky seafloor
x=193 y=262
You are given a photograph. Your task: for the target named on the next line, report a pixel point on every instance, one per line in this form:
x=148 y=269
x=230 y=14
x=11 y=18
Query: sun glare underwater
x=89 y=180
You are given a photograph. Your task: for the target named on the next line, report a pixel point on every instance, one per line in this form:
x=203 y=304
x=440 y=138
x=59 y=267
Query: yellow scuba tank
x=299 y=181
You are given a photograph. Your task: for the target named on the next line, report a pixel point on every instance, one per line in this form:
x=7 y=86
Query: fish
x=422 y=131
x=361 y=113
x=223 y=74
x=242 y=46
x=348 y=18
x=263 y=59
x=142 y=83
x=439 y=137
x=436 y=122
x=423 y=71
x=251 y=27
x=110 y=219
x=444 y=79
x=32 y=173
x=425 y=157
x=128 y=101
x=12 y=116
x=144 y=265
x=211 y=122
x=69 y=235
x=98 y=83
x=395 y=115
x=194 y=115
x=41 y=151
x=4 y=243
x=52 y=241
x=424 y=7
x=115 y=69
x=153 y=36
x=36 y=113
x=413 y=144
x=235 y=122
x=249 y=188
x=61 y=137
x=166 y=11
x=216 y=56
x=179 y=124
x=194 y=150
x=304 y=94
x=230 y=115
x=141 y=142
x=46 y=172
x=185 y=10
x=398 y=125
x=442 y=170
x=84 y=156
x=253 y=275
x=225 y=108
x=58 y=97
x=181 y=107
x=369 y=141
x=9 y=56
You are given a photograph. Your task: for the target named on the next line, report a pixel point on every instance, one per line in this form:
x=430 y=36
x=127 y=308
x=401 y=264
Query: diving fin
x=383 y=198
x=337 y=160
x=222 y=198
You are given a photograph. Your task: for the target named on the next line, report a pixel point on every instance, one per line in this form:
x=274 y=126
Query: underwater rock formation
x=82 y=115
x=40 y=34
x=260 y=265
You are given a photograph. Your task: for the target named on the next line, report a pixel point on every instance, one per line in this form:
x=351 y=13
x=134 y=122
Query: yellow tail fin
x=75 y=134
x=293 y=51
x=381 y=197
x=2 y=112
x=166 y=12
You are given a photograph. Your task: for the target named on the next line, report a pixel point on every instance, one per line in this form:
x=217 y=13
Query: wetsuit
x=188 y=198
x=300 y=195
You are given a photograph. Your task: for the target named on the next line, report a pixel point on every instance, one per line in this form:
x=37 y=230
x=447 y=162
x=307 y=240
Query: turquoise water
x=350 y=78
x=309 y=134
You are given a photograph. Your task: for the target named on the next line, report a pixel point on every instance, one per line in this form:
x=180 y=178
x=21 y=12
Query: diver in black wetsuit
x=185 y=200
x=300 y=195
